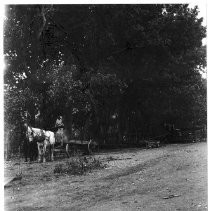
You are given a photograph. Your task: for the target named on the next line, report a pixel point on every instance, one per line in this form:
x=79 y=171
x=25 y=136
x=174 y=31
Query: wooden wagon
x=73 y=147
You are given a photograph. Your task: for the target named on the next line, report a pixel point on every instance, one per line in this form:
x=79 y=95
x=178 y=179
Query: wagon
x=152 y=144
x=73 y=147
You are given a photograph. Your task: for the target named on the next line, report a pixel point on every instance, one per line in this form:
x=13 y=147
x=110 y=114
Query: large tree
x=137 y=63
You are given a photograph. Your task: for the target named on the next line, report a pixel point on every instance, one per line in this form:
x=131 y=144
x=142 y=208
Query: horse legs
x=30 y=151
x=39 y=152
x=25 y=150
x=44 y=151
x=35 y=152
x=52 y=152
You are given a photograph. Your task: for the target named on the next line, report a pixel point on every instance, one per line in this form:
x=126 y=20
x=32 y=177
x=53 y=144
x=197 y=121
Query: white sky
x=203 y=11
x=202 y=6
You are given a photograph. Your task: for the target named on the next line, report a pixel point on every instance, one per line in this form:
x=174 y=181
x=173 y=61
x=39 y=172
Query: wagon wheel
x=58 y=149
x=73 y=149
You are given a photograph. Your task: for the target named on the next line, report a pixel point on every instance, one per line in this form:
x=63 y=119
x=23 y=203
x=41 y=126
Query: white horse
x=43 y=139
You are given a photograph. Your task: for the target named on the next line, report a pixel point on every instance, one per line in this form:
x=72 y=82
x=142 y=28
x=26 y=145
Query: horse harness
x=40 y=138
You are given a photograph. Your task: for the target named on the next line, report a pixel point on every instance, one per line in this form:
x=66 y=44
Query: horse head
x=29 y=132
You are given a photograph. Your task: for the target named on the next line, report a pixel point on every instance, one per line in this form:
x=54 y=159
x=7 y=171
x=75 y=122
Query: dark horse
x=30 y=150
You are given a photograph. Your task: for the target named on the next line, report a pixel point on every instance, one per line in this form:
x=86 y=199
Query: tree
x=138 y=63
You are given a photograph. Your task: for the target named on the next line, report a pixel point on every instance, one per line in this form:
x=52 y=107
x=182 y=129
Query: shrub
x=79 y=166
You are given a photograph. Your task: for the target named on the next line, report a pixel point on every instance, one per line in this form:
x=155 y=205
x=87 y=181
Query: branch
x=44 y=21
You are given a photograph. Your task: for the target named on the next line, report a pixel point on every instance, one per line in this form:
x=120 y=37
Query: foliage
x=107 y=69
x=79 y=166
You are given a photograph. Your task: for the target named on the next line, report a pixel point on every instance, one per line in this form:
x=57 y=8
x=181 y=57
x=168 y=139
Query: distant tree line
x=108 y=70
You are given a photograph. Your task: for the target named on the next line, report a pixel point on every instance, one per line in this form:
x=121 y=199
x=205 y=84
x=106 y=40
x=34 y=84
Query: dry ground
x=173 y=177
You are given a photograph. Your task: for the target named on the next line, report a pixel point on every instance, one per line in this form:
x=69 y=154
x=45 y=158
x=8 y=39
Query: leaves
x=122 y=68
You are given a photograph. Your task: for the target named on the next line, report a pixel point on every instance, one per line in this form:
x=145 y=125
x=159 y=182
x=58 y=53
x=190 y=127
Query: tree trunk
x=32 y=116
x=120 y=124
x=67 y=120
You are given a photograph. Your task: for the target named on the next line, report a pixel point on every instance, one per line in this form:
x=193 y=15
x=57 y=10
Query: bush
x=79 y=166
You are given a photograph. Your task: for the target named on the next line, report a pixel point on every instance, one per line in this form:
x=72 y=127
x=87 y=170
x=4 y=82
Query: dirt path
x=168 y=178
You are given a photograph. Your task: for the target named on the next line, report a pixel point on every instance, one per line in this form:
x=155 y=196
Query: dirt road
x=173 y=177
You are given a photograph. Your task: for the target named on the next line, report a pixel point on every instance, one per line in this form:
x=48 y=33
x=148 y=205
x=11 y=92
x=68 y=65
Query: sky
x=202 y=6
x=203 y=11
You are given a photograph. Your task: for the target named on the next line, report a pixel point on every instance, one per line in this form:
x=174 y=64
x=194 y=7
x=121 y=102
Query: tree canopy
x=107 y=69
